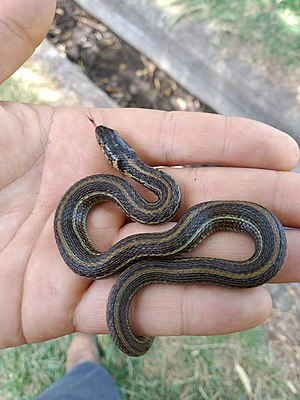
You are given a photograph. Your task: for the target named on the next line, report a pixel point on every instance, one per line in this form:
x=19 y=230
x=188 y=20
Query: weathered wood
x=185 y=53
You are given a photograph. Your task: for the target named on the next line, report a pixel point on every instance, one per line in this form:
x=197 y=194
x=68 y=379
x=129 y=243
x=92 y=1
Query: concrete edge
x=74 y=85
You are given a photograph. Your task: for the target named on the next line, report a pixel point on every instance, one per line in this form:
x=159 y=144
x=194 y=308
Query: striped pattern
x=155 y=258
x=207 y=218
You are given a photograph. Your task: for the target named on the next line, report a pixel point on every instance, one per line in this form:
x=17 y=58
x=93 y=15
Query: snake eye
x=112 y=144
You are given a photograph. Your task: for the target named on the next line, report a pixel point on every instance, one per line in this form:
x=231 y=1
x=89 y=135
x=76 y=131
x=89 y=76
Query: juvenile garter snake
x=145 y=259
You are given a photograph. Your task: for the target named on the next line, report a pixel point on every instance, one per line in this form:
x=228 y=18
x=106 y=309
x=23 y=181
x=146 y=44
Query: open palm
x=44 y=150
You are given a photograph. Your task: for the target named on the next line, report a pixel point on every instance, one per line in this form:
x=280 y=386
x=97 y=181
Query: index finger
x=179 y=138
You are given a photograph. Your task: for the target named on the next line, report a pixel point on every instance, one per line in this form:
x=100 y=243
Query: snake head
x=113 y=146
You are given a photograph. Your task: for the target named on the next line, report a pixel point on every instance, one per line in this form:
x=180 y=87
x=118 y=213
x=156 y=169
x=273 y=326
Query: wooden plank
x=185 y=53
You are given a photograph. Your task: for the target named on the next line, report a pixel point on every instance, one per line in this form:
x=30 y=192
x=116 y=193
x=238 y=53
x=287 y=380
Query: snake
x=160 y=257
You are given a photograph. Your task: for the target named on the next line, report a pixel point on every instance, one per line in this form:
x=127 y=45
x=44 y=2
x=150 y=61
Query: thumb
x=23 y=25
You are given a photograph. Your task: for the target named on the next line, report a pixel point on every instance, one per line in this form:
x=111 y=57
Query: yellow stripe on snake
x=150 y=258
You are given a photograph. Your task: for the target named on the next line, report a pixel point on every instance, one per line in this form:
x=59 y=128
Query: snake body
x=145 y=259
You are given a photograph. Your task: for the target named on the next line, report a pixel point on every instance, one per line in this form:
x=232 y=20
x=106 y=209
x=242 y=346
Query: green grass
x=14 y=90
x=269 y=29
x=27 y=370
x=175 y=368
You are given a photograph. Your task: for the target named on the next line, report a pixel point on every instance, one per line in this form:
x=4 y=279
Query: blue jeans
x=86 y=381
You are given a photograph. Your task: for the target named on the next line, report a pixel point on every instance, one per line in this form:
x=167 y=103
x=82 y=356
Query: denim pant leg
x=86 y=381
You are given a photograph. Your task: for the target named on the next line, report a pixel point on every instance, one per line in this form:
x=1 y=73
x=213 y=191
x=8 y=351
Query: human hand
x=45 y=150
